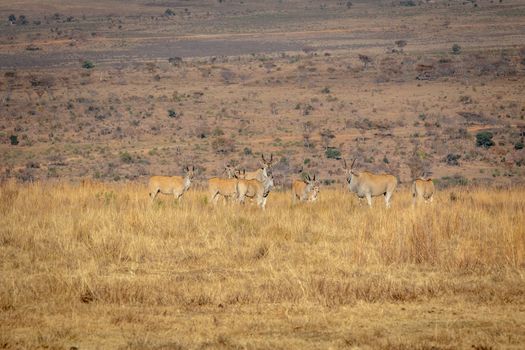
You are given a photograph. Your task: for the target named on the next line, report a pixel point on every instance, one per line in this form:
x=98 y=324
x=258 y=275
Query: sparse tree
x=366 y=60
x=401 y=44
x=308 y=128
x=326 y=136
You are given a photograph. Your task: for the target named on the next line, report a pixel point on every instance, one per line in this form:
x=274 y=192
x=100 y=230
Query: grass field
x=100 y=267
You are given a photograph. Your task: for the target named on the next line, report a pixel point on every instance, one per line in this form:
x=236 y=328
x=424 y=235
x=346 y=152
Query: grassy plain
x=100 y=267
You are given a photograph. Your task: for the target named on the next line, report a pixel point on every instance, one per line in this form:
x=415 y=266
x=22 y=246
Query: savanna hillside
x=100 y=267
x=114 y=92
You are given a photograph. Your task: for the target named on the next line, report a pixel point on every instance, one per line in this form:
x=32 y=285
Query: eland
x=367 y=185
x=305 y=191
x=171 y=185
x=255 y=189
x=423 y=189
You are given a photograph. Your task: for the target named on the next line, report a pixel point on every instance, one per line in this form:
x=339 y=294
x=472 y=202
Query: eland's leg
x=153 y=194
x=214 y=197
x=388 y=195
x=263 y=203
x=369 y=200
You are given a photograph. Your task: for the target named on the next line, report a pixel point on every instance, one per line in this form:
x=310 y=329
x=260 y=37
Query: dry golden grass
x=99 y=267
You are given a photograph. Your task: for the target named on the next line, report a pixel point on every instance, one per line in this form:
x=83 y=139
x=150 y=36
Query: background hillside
x=120 y=90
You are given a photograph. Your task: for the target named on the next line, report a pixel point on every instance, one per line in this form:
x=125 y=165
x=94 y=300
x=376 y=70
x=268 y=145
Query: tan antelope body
x=423 y=189
x=171 y=185
x=367 y=185
x=261 y=173
x=304 y=191
x=226 y=188
x=220 y=187
x=255 y=189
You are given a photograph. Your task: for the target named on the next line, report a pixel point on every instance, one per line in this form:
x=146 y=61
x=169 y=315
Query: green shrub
x=452 y=159
x=456 y=49
x=13 y=139
x=518 y=145
x=126 y=157
x=172 y=113
x=484 y=139
x=408 y=3
x=88 y=65
x=333 y=153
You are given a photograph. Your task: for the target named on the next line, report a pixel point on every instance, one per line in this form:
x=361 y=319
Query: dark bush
x=484 y=139
x=13 y=139
x=365 y=59
x=452 y=159
x=223 y=145
x=172 y=113
x=333 y=153
x=125 y=157
x=12 y=18
x=407 y=3
x=32 y=165
x=175 y=61
x=169 y=12
x=88 y=65
x=308 y=109
x=456 y=49
x=401 y=43
x=518 y=145
x=22 y=20
x=247 y=151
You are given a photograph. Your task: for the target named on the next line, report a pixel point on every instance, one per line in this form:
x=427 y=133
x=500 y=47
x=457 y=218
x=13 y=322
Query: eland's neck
x=187 y=182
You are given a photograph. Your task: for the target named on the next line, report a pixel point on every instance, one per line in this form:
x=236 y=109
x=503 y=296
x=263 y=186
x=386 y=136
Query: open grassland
x=100 y=267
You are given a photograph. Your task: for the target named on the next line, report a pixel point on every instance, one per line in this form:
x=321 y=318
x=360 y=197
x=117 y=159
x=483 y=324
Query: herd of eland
x=256 y=185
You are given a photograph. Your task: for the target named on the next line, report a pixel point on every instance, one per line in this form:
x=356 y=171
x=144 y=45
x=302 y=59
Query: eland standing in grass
x=171 y=185
x=367 y=185
x=305 y=190
x=261 y=173
x=255 y=189
x=423 y=189
x=221 y=187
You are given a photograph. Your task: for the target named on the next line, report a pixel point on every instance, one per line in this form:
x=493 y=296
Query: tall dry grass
x=105 y=252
